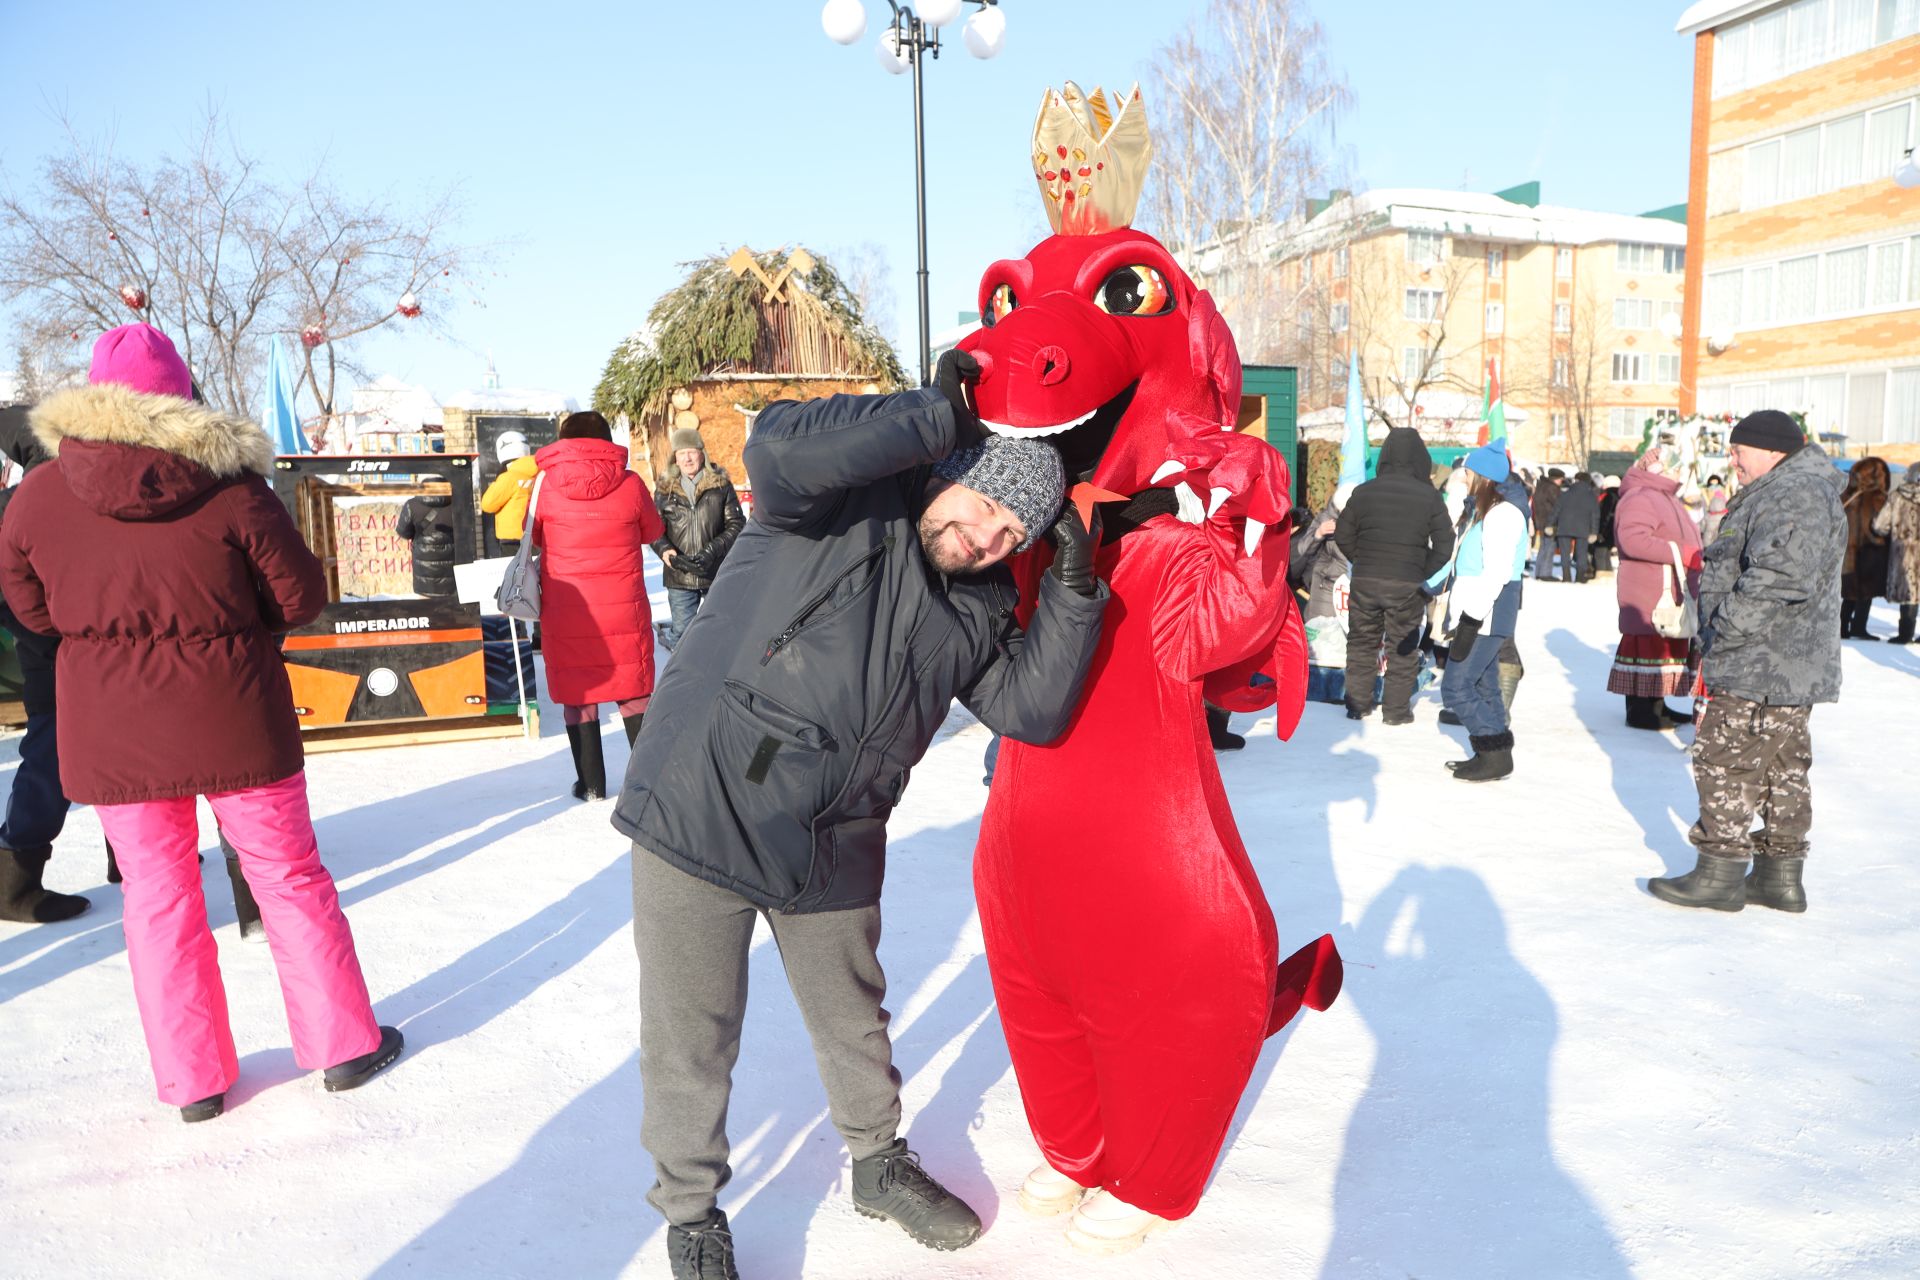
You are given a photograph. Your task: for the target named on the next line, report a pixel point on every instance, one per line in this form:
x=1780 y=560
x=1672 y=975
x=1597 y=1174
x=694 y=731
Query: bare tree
x=212 y=251
x=868 y=275
x=1445 y=328
x=1243 y=104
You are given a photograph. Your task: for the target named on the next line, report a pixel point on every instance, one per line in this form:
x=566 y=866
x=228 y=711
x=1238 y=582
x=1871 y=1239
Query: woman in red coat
x=593 y=519
x=152 y=546
x=1649 y=525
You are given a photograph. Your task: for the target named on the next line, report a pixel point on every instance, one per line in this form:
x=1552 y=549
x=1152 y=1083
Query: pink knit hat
x=141 y=357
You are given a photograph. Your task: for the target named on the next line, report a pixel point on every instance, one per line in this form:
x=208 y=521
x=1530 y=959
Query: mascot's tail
x=1311 y=977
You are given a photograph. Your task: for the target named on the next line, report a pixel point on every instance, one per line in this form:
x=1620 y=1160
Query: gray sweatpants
x=693 y=939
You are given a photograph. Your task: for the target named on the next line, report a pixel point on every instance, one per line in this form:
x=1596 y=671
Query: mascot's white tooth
x=1190 y=509
x=1215 y=497
x=1167 y=468
x=1255 y=532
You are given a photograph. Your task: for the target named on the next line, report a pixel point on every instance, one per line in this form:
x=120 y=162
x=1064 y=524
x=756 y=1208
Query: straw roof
x=717 y=324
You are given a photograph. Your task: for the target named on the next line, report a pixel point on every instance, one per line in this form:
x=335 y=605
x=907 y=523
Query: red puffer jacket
x=1648 y=518
x=154 y=548
x=594 y=520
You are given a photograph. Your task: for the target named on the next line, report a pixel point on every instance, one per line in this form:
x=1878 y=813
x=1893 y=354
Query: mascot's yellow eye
x=999 y=302
x=1134 y=291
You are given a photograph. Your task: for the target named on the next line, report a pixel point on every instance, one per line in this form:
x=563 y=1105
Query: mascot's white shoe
x=1104 y=1224
x=1047 y=1192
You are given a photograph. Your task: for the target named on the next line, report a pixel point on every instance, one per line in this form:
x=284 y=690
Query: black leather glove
x=1463 y=637
x=954 y=375
x=1073 y=547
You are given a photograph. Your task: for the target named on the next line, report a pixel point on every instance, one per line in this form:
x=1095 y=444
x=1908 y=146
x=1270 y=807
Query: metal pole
x=916 y=41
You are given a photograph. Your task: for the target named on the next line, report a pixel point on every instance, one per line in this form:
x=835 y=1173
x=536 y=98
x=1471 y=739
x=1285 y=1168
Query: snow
x=1536 y=1071
x=525 y=400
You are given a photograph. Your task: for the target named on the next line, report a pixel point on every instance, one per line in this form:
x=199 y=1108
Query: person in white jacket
x=1488 y=563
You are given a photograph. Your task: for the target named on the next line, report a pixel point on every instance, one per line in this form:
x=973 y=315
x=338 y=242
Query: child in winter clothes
x=154 y=548
x=1484 y=609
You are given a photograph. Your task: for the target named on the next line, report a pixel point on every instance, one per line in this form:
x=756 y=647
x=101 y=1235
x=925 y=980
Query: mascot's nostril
x=1052 y=365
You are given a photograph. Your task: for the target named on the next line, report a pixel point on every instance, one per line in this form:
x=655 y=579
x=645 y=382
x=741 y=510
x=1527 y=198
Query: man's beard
x=932 y=533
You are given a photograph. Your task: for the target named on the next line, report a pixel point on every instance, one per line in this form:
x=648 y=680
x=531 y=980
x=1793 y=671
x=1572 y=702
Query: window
x=1767 y=52
x=1723 y=301
x=1633 y=313
x=1562 y=317
x=1840 y=152
x=1418 y=364
x=1425 y=247
x=1626 y=424
x=1852 y=26
x=1913 y=269
x=1866 y=403
x=1713 y=401
x=1763 y=175
x=1666 y=368
x=1800 y=164
x=1806 y=33
x=1787 y=393
x=1884 y=278
x=1886 y=138
x=1827 y=402
x=1639 y=257
x=1306 y=383
x=1903 y=407
x=1496 y=317
x=1306 y=268
x=1629 y=366
x=1496 y=261
x=1661 y=310
x=1730 y=45
x=1844 y=281
x=1673 y=259
x=1758 y=304
x=1897 y=18
x=1339 y=317
x=1563 y=262
x=1561 y=371
x=1340 y=263
x=1749 y=397
x=1423 y=304
x=1794 y=299
x=1557 y=426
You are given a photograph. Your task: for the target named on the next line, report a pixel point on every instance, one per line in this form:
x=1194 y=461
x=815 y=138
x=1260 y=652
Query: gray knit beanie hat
x=1024 y=476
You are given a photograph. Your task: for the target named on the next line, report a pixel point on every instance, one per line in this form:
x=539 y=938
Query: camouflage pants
x=1750 y=758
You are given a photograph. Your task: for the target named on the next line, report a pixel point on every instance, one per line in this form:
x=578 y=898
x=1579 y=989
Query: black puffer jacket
x=1578 y=515
x=699 y=533
x=1395 y=527
x=825 y=658
x=427 y=522
x=18 y=443
x=1546 y=500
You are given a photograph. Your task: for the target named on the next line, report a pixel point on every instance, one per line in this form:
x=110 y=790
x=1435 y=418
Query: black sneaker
x=208 y=1108
x=892 y=1185
x=355 y=1072
x=703 y=1251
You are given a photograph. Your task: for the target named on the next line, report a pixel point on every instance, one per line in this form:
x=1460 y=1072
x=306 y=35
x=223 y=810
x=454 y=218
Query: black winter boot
x=1908 y=615
x=1642 y=713
x=1672 y=717
x=207 y=1108
x=23 y=899
x=1447 y=717
x=589 y=766
x=1223 y=738
x=892 y=1185
x=1492 y=758
x=244 y=907
x=703 y=1251
x=1716 y=883
x=1775 y=883
x=632 y=726
x=355 y=1072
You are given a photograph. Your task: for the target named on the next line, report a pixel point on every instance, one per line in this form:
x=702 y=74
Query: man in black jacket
x=1576 y=523
x=1395 y=531
x=1546 y=499
x=702 y=516
x=864 y=595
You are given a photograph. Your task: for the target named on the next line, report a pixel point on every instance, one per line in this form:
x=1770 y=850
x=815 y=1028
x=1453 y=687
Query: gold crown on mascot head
x=1090 y=159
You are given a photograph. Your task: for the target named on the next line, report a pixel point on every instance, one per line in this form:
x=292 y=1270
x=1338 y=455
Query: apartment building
x=1803 y=250
x=1579 y=311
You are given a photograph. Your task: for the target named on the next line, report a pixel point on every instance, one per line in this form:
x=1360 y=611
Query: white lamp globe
x=938 y=13
x=844 y=21
x=888 y=52
x=1907 y=172
x=985 y=32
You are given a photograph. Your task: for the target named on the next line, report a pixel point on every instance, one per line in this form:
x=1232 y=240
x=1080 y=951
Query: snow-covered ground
x=1536 y=1070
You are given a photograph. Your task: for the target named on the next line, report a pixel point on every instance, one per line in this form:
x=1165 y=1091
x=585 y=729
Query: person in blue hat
x=1483 y=609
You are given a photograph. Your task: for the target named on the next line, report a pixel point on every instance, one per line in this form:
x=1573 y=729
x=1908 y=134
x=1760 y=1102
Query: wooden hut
x=739 y=333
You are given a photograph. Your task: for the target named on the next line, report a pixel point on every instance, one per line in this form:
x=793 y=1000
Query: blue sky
x=599 y=144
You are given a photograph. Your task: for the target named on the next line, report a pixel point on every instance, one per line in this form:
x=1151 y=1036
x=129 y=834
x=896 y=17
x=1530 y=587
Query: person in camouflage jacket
x=1770 y=626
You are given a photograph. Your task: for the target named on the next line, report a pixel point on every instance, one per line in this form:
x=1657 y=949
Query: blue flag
x=1353 y=450
x=281 y=420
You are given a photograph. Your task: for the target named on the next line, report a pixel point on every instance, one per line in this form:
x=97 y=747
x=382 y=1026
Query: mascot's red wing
x=1133 y=953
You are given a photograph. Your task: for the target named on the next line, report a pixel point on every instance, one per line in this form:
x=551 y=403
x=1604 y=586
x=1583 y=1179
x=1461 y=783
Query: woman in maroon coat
x=153 y=547
x=1648 y=524
x=593 y=520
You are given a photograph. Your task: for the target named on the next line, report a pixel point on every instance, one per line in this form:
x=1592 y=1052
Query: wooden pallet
x=412 y=733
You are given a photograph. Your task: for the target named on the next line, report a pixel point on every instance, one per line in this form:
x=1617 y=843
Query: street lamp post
x=910 y=38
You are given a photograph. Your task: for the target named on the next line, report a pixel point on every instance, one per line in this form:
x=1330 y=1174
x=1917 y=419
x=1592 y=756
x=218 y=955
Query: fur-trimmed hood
x=135 y=456
x=710 y=476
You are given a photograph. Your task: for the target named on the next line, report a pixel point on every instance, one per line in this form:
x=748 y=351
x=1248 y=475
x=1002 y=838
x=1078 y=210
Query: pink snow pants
x=176 y=975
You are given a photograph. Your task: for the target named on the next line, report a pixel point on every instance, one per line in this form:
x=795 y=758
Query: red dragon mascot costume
x=1134 y=957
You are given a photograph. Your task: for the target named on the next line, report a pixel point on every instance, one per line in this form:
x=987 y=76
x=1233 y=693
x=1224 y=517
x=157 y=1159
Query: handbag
x=519 y=593
x=1677 y=616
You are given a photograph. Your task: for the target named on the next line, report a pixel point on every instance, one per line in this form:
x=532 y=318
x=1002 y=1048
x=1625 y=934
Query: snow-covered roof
x=532 y=400
x=401 y=404
x=1707 y=14
x=1486 y=217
